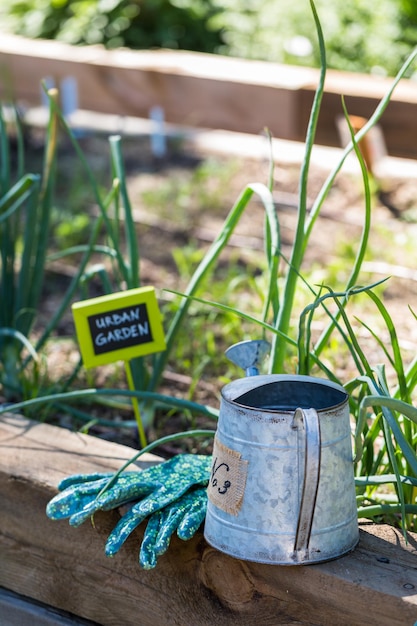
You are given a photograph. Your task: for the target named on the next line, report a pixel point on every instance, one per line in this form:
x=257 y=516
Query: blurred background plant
x=27 y=214
x=116 y=23
x=25 y=210
x=360 y=36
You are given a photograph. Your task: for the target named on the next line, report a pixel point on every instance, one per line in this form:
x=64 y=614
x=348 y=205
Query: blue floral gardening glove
x=171 y=494
x=185 y=516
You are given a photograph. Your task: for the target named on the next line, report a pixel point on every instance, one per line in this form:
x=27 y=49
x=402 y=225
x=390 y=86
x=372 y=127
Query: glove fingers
x=171 y=499
x=74 y=499
x=79 y=491
x=159 y=530
x=122 y=530
x=67 y=504
x=191 y=523
x=168 y=481
x=194 y=515
x=184 y=516
x=135 y=516
x=163 y=492
x=168 y=526
x=160 y=499
x=80 y=479
x=176 y=476
x=126 y=489
x=147 y=555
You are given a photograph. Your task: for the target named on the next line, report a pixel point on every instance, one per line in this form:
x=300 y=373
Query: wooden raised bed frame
x=193 y=584
x=207 y=91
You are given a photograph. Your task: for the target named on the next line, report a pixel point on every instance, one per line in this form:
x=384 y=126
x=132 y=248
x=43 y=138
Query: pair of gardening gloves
x=172 y=495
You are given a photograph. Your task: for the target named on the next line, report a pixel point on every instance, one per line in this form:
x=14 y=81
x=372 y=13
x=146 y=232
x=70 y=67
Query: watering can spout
x=249 y=354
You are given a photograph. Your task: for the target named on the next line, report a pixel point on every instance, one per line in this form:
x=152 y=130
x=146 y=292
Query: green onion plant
x=385 y=420
x=25 y=210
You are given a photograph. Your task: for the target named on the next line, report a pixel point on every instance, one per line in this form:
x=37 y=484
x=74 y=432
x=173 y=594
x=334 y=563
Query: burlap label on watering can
x=228 y=479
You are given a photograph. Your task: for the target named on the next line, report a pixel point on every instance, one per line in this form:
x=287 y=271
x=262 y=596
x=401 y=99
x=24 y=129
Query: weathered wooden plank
x=194 y=89
x=193 y=583
x=207 y=91
x=398 y=123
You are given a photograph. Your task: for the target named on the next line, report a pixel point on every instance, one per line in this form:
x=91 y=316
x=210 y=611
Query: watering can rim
x=238 y=387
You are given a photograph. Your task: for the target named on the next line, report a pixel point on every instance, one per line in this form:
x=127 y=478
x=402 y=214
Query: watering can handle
x=309 y=419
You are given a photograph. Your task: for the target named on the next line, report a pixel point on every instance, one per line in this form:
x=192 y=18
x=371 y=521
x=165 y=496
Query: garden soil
x=180 y=202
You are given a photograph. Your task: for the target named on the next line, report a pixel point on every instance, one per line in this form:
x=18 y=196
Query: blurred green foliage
x=360 y=36
x=409 y=8
x=136 y=24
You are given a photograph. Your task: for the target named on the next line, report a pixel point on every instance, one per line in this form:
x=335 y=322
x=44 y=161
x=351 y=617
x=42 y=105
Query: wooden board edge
x=66 y=568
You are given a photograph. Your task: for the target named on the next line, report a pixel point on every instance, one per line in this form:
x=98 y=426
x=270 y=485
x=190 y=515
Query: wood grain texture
x=207 y=91
x=193 y=584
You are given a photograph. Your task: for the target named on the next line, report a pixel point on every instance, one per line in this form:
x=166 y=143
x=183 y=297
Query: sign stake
x=135 y=404
x=120 y=327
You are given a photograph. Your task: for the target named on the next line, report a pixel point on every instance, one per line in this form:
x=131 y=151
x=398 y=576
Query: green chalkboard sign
x=118 y=327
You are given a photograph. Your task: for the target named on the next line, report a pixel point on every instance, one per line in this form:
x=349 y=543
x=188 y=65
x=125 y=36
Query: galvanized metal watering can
x=282 y=488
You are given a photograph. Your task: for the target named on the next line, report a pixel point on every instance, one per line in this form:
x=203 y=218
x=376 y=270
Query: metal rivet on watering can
x=281 y=489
